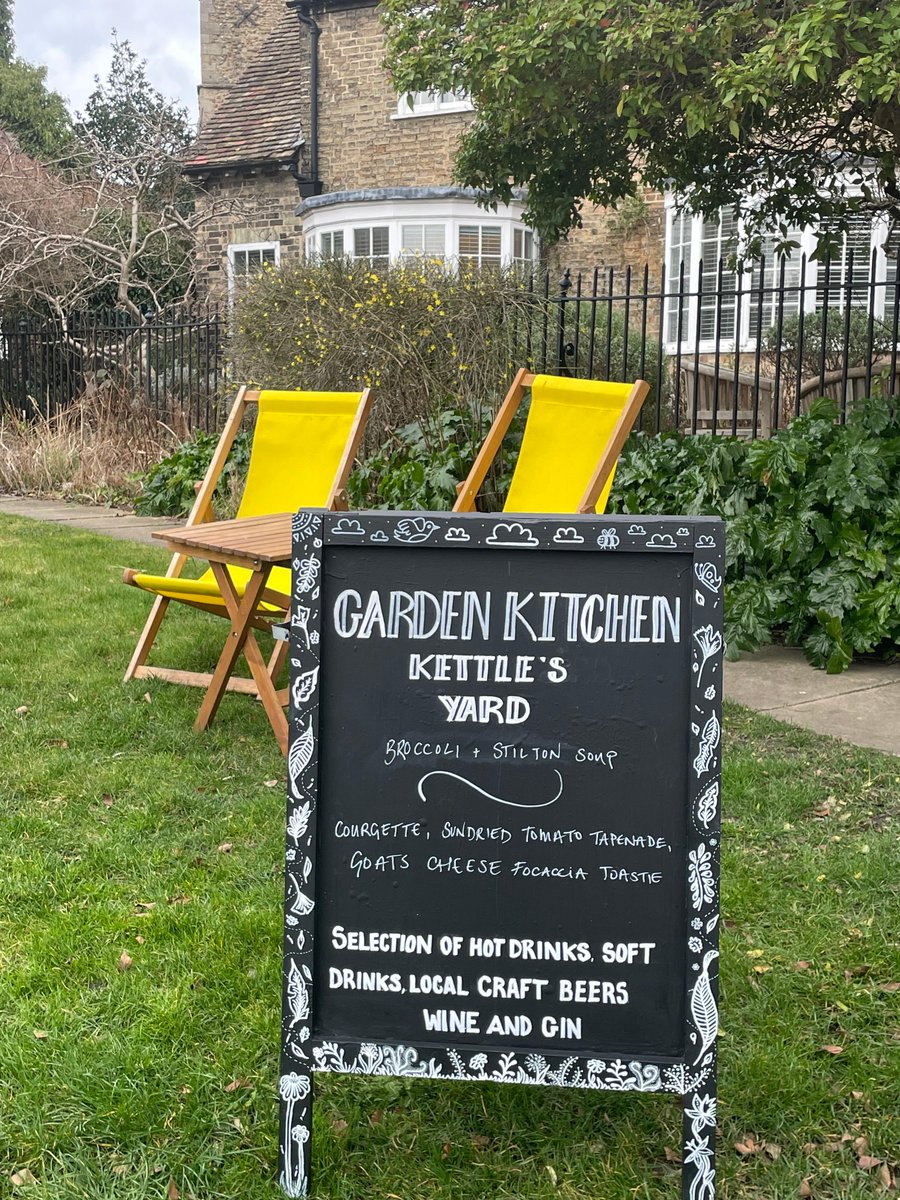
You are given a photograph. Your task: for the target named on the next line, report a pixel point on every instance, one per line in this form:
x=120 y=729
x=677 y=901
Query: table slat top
x=262 y=539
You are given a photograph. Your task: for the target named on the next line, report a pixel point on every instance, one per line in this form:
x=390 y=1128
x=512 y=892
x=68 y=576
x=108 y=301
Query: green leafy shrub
x=168 y=489
x=846 y=333
x=813 y=516
x=420 y=465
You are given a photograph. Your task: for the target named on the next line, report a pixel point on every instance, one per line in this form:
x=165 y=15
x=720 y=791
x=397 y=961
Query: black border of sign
x=694 y=1076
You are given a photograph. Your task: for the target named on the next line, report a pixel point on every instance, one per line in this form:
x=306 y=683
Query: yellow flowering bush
x=423 y=336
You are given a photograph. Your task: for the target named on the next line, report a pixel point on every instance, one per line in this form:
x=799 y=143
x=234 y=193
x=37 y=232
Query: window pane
x=434 y=241
x=766 y=287
x=841 y=287
x=411 y=239
x=381 y=241
x=679 y=254
x=717 y=243
x=490 y=241
x=362 y=243
x=469 y=244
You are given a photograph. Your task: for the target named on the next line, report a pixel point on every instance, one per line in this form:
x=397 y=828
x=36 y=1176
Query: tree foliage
x=112 y=223
x=7 y=43
x=34 y=115
x=123 y=106
x=789 y=108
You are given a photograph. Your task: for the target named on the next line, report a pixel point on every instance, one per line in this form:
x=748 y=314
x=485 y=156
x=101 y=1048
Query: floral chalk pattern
x=573 y=1071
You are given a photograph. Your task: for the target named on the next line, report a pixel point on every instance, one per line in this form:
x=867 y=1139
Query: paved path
x=861 y=706
x=115 y=522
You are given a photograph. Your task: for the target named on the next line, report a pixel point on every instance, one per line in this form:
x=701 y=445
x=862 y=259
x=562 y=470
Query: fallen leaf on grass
x=339 y=1125
x=772 y=1150
x=856 y=972
x=40 y=1034
x=834 y=1049
x=552 y=1174
x=802 y=965
x=61 y=743
x=270 y=783
x=376 y=1117
x=172 y=1192
x=889 y=987
x=748 y=1146
x=148 y=697
x=125 y=962
x=22 y=710
x=672 y=1156
x=179 y=900
x=445 y=1150
x=237 y=1083
x=121 y=1169
x=225 y=848
x=884 y=1177
x=805 y=1189
x=866 y=1162
x=479 y=1141
x=108 y=801
x=20 y=1178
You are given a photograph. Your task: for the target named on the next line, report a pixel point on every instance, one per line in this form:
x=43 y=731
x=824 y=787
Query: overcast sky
x=72 y=40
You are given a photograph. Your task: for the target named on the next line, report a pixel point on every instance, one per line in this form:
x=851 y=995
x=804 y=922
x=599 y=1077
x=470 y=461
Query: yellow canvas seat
x=303 y=448
x=575 y=431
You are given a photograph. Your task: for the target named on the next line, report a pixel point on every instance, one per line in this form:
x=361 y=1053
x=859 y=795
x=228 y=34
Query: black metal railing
x=728 y=349
x=172 y=360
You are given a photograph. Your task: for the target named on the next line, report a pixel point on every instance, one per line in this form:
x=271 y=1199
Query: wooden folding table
x=257 y=544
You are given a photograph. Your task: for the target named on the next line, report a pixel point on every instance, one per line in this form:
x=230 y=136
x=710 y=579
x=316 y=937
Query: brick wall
x=228 y=42
x=360 y=145
x=630 y=237
x=245 y=208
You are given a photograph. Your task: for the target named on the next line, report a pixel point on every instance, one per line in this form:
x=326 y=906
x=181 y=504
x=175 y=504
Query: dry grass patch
x=93 y=451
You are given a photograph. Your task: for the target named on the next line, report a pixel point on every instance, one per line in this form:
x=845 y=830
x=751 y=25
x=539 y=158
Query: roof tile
x=260 y=118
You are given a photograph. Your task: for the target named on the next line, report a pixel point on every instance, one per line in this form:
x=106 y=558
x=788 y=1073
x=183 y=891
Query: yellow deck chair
x=575 y=431
x=303 y=448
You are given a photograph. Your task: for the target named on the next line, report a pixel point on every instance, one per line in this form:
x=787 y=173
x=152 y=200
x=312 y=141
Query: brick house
x=301 y=128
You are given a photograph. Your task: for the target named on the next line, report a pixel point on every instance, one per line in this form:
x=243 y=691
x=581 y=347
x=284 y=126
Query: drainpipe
x=303 y=9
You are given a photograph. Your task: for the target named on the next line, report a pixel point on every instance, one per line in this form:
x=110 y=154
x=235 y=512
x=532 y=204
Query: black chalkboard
x=502 y=852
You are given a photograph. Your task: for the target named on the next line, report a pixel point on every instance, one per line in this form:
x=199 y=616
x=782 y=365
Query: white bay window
x=408 y=224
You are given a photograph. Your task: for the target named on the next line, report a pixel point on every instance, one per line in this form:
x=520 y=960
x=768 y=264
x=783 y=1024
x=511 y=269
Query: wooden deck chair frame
x=201 y=511
x=468 y=490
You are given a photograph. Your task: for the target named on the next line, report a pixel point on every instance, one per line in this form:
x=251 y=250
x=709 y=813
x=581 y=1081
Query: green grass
x=160 y=1079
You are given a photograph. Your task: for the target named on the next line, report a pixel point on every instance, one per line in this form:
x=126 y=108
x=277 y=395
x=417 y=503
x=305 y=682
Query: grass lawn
x=126 y=838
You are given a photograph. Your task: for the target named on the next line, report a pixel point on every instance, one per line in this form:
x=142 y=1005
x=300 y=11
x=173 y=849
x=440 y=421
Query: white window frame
x=744 y=338
x=481 y=258
x=236 y=248
x=395 y=214
x=371 y=257
x=431 y=104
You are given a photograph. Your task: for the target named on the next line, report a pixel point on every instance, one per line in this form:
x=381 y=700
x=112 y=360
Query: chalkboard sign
x=503 y=808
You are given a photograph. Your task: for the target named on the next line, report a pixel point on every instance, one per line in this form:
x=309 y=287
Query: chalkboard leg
x=698 y=1172
x=295 y=1090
